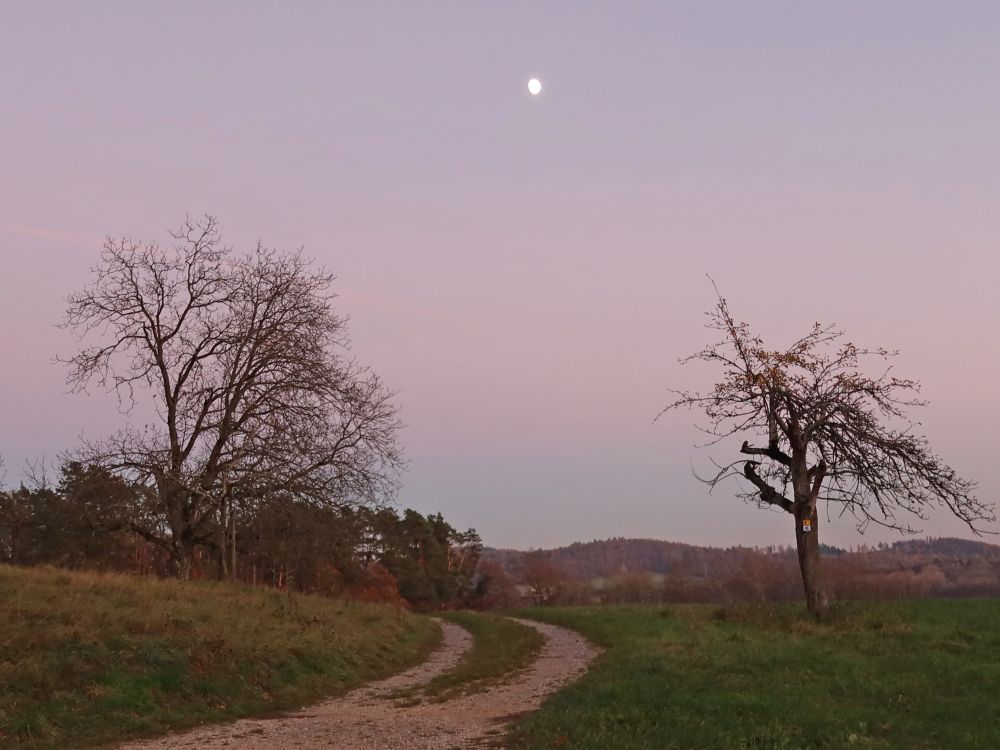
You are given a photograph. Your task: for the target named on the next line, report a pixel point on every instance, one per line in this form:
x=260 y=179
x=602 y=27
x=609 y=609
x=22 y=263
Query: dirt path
x=368 y=719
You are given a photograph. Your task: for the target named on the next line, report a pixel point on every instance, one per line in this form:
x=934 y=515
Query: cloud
x=56 y=235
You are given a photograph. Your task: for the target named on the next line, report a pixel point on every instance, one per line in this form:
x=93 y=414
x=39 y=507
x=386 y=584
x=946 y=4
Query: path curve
x=369 y=718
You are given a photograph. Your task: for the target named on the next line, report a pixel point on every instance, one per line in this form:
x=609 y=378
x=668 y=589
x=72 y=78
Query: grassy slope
x=87 y=659
x=907 y=675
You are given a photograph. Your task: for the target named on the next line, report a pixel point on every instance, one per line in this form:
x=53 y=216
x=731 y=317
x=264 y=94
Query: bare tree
x=255 y=394
x=828 y=432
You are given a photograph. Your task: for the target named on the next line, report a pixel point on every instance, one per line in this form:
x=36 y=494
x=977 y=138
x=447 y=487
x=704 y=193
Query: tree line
x=86 y=519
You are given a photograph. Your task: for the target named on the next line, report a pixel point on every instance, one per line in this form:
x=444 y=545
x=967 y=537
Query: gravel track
x=369 y=718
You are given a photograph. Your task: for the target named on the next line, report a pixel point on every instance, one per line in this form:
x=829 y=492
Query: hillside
x=911 y=567
x=609 y=557
x=87 y=659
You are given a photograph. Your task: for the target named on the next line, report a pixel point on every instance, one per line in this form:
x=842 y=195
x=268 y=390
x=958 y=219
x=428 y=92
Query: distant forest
x=622 y=570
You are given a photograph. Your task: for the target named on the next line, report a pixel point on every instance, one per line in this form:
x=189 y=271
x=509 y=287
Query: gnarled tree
x=254 y=393
x=818 y=428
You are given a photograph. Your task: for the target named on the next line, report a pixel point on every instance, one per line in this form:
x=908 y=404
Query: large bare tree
x=818 y=428
x=255 y=393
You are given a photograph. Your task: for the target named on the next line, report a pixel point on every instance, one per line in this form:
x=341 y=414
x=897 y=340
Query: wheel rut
x=370 y=717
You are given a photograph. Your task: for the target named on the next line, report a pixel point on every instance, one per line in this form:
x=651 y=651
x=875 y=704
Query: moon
x=534 y=87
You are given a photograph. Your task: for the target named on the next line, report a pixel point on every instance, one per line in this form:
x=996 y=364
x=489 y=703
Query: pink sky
x=526 y=271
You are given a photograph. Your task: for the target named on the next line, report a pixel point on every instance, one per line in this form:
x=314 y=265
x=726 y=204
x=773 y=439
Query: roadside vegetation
x=88 y=659
x=905 y=674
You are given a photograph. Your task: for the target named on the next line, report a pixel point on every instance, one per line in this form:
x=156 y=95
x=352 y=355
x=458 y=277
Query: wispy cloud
x=47 y=233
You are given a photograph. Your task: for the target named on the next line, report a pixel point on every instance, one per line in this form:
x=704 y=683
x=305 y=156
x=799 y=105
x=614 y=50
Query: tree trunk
x=182 y=560
x=807 y=545
x=225 y=535
x=222 y=542
x=232 y=542
x=182 y=555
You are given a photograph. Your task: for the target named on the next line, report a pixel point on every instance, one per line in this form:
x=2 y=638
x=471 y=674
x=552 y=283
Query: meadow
x=900 y=675
x=89 y=659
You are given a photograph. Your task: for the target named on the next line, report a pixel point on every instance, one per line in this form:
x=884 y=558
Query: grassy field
x=87 y=659
x=908 y=675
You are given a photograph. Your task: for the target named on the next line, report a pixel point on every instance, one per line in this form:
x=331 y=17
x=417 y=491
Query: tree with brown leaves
x=255 y=395
x=818 y=428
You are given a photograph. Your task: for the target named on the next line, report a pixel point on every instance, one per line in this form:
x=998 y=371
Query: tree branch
x=772 y=451
x=767 y=493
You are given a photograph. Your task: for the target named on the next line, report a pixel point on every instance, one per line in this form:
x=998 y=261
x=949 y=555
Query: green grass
x=914 y=675
x=500 y=648
x=89 y=659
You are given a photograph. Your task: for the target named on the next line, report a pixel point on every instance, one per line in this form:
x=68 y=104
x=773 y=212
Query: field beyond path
x=903 y=675
x=374 y=717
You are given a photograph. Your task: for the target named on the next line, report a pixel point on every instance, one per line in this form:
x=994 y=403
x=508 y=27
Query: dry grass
x=88 y=659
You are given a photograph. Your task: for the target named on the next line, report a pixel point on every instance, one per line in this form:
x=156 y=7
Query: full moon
x=534 y=87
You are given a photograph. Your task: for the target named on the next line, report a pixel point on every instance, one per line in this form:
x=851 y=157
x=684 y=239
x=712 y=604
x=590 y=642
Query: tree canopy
x=816 y=426
x=255 y=393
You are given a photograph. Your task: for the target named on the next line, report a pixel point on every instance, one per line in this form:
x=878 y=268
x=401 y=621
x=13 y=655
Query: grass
x=500 y=648
x=88 y=659
x=914 y=675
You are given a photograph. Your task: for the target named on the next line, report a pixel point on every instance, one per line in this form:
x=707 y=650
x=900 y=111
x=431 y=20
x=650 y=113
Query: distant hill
x=911 y=567
x=609 y=557
x=966 y=548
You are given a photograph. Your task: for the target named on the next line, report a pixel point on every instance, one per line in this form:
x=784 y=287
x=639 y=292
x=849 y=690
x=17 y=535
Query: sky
x=526 y=271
